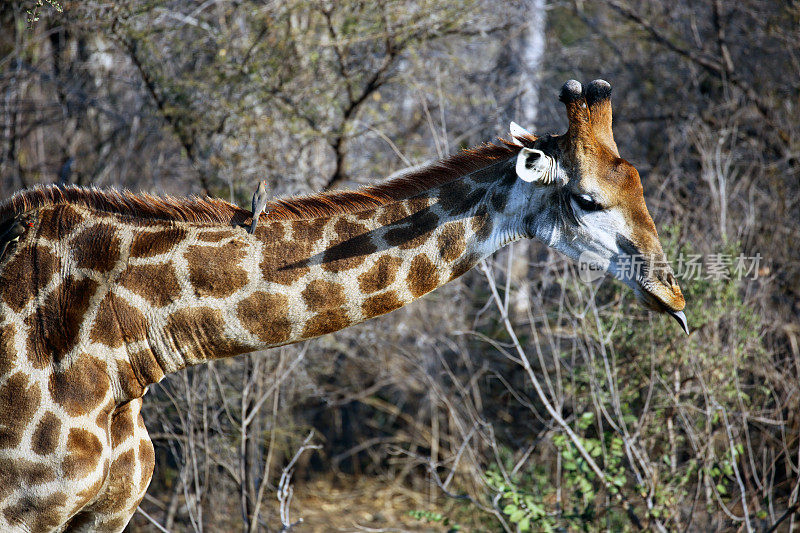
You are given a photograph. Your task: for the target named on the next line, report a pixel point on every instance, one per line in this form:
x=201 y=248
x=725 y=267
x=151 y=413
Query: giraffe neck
x=298 y=279
x=150 y=297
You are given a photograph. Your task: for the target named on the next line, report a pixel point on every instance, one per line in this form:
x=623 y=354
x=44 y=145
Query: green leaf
x=517 y=515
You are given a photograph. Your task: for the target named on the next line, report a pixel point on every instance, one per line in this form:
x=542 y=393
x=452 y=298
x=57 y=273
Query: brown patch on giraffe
x=215 y=270
x=271 y=232
x=28 y=271
x=128 y=382
x=422 y=276
x=199 y=334
x=118 y=323
x=8 y=353
x=37 y=473
x=58 y=222
x=463 y=266
x=381 y=304
x=17 y=472
x=54 y=326
x=380 y=275
x=266 y=316
x=320 y=294
x=125 y=462
x=147 y=462
x=146 y=368
x=215 y=236
x=350 y=248
x=148 y=244
x=45 y=436
x=285 y=257
x=392 y=213
x=308 y=230
x=482 y=223
x=103 y=419
x=346 y=230
x=37 y=514
x=96 y=247
x=19 y=399
x=451 y=242
x=24 y=472
x=365 y=215
x=418 y=203
x=85 y=451
x=156 y=283
x=326 y=322
x=81 y=387
x=122 y=426
x=414 y=230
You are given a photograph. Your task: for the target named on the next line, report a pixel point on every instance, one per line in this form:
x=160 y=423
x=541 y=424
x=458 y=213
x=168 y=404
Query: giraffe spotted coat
x=97 y=305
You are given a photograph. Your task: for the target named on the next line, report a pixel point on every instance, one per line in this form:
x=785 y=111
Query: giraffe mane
x=404 y=186
x=212 y=210
x=126 y=203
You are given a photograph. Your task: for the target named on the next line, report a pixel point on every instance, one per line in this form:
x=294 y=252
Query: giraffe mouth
x=662 y=298
x=681 y=318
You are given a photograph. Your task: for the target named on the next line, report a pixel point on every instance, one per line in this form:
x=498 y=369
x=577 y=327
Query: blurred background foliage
x=426 y=419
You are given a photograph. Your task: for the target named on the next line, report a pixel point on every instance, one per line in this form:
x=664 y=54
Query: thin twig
x=789 y=512
x=285 y=490
x=734 y=462
x=152 y=521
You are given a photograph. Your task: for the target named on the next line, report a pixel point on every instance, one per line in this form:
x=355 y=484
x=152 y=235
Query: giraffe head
x=591 y=205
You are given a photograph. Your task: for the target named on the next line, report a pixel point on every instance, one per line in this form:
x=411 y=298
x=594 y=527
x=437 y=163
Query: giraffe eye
x=586 y=202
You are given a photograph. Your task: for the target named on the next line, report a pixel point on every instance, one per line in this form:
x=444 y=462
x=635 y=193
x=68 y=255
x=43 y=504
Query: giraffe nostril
x=663 y=273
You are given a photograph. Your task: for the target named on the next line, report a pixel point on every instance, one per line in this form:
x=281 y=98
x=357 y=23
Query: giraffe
x=103 y=292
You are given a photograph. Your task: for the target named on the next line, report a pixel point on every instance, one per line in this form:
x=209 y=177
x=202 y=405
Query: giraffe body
x=104 y=293
x=72 y=383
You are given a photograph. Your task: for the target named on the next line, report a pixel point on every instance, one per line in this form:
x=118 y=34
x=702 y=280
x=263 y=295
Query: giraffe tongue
x=681 y=318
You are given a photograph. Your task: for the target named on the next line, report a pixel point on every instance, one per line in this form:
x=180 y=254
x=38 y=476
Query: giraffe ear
x=534 y=166
x=518 y=132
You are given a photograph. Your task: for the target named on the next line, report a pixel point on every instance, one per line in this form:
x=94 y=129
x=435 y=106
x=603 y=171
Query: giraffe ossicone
x=103 y=293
